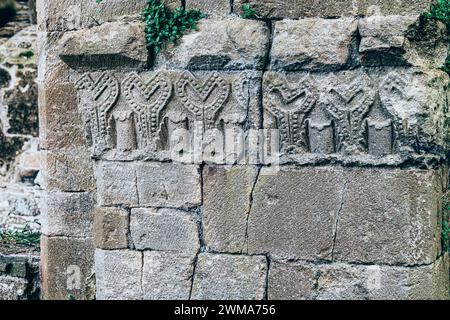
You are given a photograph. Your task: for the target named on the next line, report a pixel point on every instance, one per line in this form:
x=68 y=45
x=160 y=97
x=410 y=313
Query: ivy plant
x=163 y=24
x=440 y=10
x=248 y=12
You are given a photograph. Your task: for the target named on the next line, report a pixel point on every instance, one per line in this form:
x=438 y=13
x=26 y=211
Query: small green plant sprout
x=163 y=24
x=26 y=54
x=24 y=237
x=439 y=11
x=71 y=297
x=248 y=12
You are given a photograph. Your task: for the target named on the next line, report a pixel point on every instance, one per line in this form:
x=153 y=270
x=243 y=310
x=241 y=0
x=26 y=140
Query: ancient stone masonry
x=255 y=159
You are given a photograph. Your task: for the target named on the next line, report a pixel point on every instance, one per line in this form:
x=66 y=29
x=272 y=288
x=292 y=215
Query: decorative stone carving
x=290 y=112
x=348 y=106
x=147 y=101
x=203 y=100
x=97 y=97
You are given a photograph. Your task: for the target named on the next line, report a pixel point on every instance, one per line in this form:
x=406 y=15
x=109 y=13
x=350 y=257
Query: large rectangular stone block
x=227 y=203
x=111 y=228
x=171 y=185
x=325 y=44
x=68 y=170
x=165 y=230
x=166 y=276
x=59 y=117
x=340 y=281
x=390 y=217
x=108 y=46
x=229 y=277
x=294 y=9
x=220 y=44
x=118 y=274
x=116 y=184
x=293 y=213
x=66 y=268
x=67 y=214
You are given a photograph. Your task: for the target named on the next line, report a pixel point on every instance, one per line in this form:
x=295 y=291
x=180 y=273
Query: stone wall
x=276 y=158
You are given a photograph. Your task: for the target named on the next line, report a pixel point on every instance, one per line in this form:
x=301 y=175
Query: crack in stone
x=142 y=275
x=266 y=285
x=338 y=213
x=249 y=209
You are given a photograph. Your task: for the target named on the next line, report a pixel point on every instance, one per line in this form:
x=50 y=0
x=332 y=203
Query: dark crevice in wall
x=338 y=214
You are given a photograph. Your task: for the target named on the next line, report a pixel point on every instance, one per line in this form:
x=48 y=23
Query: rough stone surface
x=166 y=276
x=56 y=126
x=66 y=267
x=399 y=40
x=339 y=281
x=390 y=217
x=12 y=288
x=67 y=171
x=229 y=277
x=148 y=184
x=294 y=9
x=227 y=192
x=118 y=274
x=111 y=226
x=304 y=223
x=212 y=8
x=110 y=45
x=68 y=215
x=165 y=230
x=220 y=44
x=325 y=44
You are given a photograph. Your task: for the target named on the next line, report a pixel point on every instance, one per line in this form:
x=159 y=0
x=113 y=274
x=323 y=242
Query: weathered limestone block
x=314 y=44
x=12 y=288
x=65 y=15
x=339 y=118
x=51 y=69
x=390 y=217
x=339 y=281
x=67 y=214
x=110 y=45
x=59 y=117
x=227 y=195
x=229 y=277
x=148 y=184
x=212 y=8
x=170 y=185
x=165 y=230
x=294 y=9
x=66 y=267
x=68 y=170
x=220 y=44
x=118 y=274
x=400 y=40
x=166 y=276
x=111 y=227
x=293 y=212
x=13 y=266
x=120 y=190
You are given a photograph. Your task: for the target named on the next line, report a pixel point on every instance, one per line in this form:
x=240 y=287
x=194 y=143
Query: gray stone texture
x=325 y=44
x=340 y=281
x=166 y=276
x=227 y=192
x=294 y=9
x=118 y=274
x=165 y=230
x=220 y=44
x=293 y=214
x=68 y=170
x=66 y=266
x=68 y=214
x=110 y=45
x=229 y=277
x=12 y=289
x=212 y=8
x=111 y=228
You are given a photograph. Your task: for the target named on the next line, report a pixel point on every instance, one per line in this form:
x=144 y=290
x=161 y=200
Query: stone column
x=352 y=209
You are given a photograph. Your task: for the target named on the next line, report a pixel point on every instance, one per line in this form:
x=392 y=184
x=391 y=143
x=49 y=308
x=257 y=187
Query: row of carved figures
x=352 y=119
